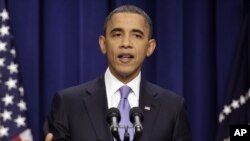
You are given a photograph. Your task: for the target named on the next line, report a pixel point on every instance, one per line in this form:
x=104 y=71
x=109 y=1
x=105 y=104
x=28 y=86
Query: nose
x=126 y=43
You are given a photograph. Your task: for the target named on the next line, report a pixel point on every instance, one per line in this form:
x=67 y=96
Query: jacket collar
x=97 y=107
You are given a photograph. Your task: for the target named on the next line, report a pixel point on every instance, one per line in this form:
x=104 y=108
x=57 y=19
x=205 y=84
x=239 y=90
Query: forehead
x=127 y=20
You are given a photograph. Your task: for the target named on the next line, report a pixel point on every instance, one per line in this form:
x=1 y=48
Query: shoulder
x=82 y=89
x=163 y=95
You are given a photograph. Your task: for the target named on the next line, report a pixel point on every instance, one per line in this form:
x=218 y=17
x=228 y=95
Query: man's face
x=126 y=45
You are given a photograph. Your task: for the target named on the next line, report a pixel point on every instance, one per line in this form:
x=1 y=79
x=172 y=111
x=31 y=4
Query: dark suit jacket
x=79 y=114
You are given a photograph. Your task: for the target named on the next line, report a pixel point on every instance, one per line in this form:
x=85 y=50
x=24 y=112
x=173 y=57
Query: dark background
x=57 y=47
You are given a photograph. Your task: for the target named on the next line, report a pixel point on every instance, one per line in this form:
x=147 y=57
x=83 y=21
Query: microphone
x=113 y=119
x=136 y=117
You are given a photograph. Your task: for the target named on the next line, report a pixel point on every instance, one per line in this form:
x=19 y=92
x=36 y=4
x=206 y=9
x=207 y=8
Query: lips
x=125 y=57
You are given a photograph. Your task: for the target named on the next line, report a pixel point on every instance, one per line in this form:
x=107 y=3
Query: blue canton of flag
x=236 y=109
x=13 y=121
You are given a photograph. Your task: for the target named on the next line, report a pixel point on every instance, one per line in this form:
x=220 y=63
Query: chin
x=127 y=74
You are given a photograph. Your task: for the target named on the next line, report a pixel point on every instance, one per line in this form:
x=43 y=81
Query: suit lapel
x=150 y=107
x=96 y=105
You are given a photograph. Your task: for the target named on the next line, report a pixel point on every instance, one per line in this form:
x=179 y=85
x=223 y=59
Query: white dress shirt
x=112 y=90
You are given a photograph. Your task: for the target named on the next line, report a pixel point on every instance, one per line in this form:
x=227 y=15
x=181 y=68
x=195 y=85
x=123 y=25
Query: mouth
x=125 y=57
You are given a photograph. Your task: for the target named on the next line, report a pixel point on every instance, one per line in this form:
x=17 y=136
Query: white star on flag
x=13 y=68
x=20 y=121
x=13 y=52
x=227 y=110
x=2 y=62
x=4 y=30
x=11 y=83
x=242 y=100
x=4 y=131
x=3 y=46
x=4 y=14
x=235 y=104
x=221 y=117
x=6 y=115
x=21 y=90
x=22 y=105
x=8 y=99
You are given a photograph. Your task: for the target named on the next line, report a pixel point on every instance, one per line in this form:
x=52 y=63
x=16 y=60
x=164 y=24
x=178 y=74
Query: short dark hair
x=130 y=9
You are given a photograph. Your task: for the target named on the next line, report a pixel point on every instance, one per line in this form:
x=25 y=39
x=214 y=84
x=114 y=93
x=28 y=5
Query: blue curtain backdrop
x=57 y=47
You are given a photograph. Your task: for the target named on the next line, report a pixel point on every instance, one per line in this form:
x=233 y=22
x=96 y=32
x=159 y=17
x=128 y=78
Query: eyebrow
x=138 y=31
x=120 y=30
x=116 y=29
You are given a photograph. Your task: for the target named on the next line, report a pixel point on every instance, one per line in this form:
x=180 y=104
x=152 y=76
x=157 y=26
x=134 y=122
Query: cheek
x=141 y=54
x=111 y=48
x=111 y=54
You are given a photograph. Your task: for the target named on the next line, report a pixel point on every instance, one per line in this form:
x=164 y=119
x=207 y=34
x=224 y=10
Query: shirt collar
x=113 y=84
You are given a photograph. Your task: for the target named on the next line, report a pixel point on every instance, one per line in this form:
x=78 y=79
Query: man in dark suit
x=79 y=113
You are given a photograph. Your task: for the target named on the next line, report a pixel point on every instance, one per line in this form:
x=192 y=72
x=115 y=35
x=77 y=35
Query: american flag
x=13 y=121
x=236 y=109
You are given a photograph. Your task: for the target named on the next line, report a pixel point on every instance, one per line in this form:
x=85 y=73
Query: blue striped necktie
x=124 y=108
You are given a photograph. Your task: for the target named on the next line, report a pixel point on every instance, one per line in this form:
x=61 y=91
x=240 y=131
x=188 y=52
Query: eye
x=138 y=36
x=116 y=34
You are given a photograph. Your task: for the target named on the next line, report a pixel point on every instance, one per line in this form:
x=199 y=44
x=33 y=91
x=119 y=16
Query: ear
x=102 y=44
x=151 y=48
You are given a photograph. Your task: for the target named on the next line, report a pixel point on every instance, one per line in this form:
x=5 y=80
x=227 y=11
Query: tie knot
x=124 y=90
